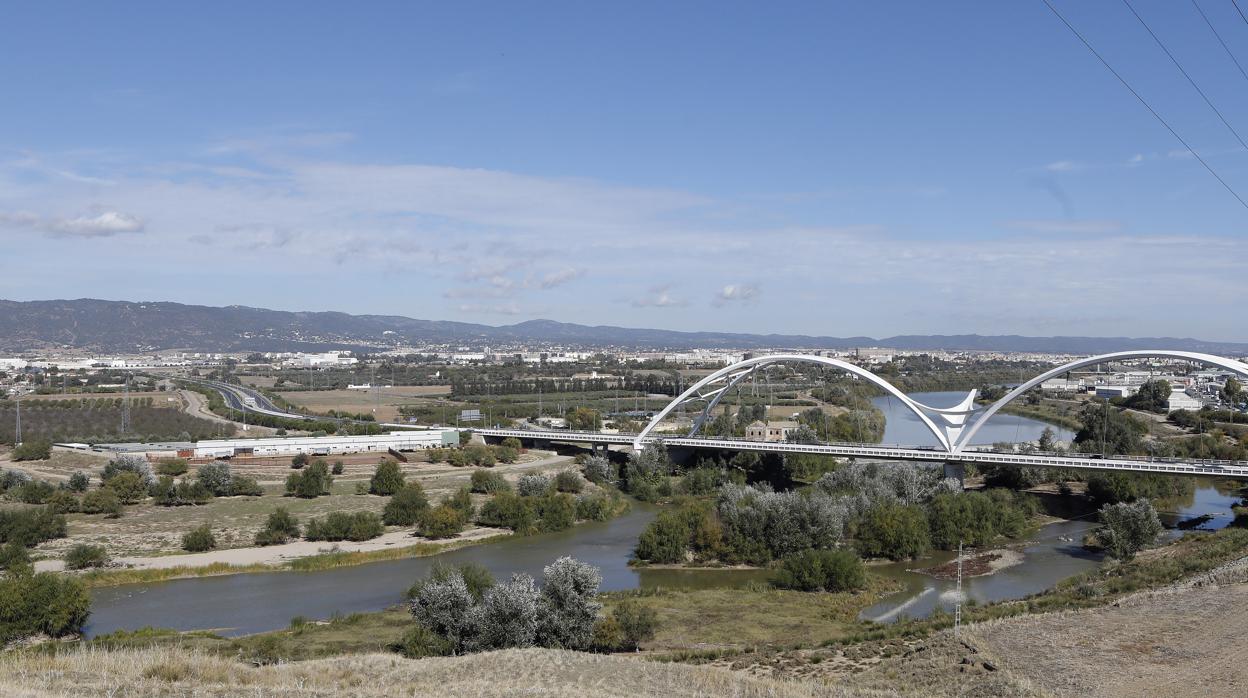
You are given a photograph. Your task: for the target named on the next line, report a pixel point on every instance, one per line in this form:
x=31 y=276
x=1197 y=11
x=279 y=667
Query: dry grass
x=173 y=671
x=387 y=403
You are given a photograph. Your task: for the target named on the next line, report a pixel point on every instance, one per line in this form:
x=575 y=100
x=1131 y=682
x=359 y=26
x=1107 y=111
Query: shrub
x=894 y=531
x=32 y=450
x=461 y=501
x=63 y=502
x=165 y=493
x=338 y=525
x=387 y=479
x=245 y=487
x=12 y=478
x=13 y=556
x=569 y=481
x=479 y=455
x=79 y=482
x=406 y=506
x=314 y=481
x=508 y=510
x=569 y=606
x=33 y=492
x=423 y=642
x=821 y=570
x=636 y=624
x=199 y=540
x=45 y=603
x=279 y=528
x=477 y=578
x=300 y=460
x=1127 y=528
x=976 y=518
x=665 y=539
x=129 y=487
x=488 y=482
x=512 y=443
x=172 y=466
x=216 y=477
x=101 y=501
x=83 y=556
x=599 y=470
x=596 y=506
x=338 y=467
x=128 y=463
x=533 y=485
x=555 y=511
x=505 y=454
x=443 y=521
x=30 y=527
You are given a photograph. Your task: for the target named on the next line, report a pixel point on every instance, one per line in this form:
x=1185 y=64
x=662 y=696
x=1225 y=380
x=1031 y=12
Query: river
x=903 y=427
x=249 y=603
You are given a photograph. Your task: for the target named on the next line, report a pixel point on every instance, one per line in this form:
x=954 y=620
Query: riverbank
x=299 y=556
x=977 y=565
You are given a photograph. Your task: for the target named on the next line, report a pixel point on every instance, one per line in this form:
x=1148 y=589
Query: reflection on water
x=903 y=427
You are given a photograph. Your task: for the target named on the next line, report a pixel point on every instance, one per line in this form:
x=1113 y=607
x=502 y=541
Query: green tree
x=443 y=521
x=83 y=556
x=406 y=506
x=894 y=531
x=279 y=528
x=1127 y=528
x=584 y=419
x=387 y=479
x=128 y=486
x=199 y=539
x=821 y=570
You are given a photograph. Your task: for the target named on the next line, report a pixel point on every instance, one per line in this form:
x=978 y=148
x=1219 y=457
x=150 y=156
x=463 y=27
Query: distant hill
x=124 y=326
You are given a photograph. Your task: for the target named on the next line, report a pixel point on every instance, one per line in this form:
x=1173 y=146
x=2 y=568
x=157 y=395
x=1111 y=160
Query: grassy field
x=364 y=401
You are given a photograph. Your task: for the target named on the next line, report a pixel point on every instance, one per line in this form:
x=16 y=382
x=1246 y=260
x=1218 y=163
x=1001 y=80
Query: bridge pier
x=957 y=471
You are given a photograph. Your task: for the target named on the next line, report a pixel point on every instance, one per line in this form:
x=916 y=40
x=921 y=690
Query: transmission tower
x=957 y=606
x=125 y=408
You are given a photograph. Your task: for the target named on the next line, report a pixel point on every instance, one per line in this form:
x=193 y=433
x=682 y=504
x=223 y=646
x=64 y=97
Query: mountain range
x=127 y=327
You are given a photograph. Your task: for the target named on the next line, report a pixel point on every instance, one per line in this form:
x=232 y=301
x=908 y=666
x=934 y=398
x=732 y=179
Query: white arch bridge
x=953 y=427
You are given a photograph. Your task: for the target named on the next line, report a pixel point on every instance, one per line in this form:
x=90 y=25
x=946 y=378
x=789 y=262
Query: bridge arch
x=964 y=439
x=735 y=373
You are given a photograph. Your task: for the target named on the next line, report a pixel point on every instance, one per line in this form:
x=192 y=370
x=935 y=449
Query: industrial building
x=413 y=440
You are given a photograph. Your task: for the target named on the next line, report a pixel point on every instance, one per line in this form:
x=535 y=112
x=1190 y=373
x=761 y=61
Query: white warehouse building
x=413 y=440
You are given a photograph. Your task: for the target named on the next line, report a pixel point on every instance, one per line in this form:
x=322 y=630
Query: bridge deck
x=1233 y=469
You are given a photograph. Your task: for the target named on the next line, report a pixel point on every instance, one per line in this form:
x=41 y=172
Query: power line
x=1219 y=38
x=1189 y=77
x=1152 y=111
x=1241 y=12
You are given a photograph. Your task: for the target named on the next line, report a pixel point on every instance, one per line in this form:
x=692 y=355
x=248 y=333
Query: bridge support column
x=957 y=471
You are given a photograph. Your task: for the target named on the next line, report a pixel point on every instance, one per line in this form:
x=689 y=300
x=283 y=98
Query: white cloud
x=736 y=293
x=102 y=224
x=659 y=297
x=1064 y=166
x=559 y=278
x=1090 y=227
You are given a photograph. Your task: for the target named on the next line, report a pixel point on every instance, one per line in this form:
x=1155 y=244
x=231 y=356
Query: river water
x=250 y=603
x=903 y=427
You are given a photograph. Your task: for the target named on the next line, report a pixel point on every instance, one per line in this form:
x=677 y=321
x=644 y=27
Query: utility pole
x=17 y=439
x=125 y=408
x=957 y=608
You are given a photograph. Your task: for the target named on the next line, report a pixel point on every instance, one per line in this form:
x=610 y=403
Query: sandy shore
x=279 y=554
x=977 y=565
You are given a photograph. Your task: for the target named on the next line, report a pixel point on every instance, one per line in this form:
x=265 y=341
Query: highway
x=1169 y=466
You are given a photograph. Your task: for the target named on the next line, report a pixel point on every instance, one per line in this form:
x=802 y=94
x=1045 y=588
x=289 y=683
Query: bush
x=129 y=487
x=300 y=460
x=79 y=482
x=245 y=487
x=423 y=642
x=599 y=470
x=83 y=556
x=337 y=469
x=215 y=477
x=977 y=518
x=312 y=482
x=666 y=539
x=33 y=492
x=596 y=507
x=635 y=624
x=479 y=455
x=63 y=502
x=505 y=454
x=1127 y=528
x=461 y=501
x=279 y=528
x=821 y=570
x=13 y=556
x=165 y=493
x=172 y=466
x=45 y=603
x=30 y=527
x=555 y=511
x=508 y=510
x=128 y=463
x=199 y=540
x=488 y=482
x=387 y=479
x=894 y=531
x=101 y=501
x=338 y=525
x=569 y=481
x=406 y=506
x=513 y=443
x=443 y=521
x=533 y=485
x=32 y=450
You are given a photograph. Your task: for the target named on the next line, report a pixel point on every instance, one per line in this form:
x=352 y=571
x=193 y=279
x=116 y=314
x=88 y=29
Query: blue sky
x=844 y=168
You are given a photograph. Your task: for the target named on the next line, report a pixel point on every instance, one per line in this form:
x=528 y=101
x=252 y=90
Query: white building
x=1112 y=391
x=329 y=359
x=1182 y=401
x=413 y=440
